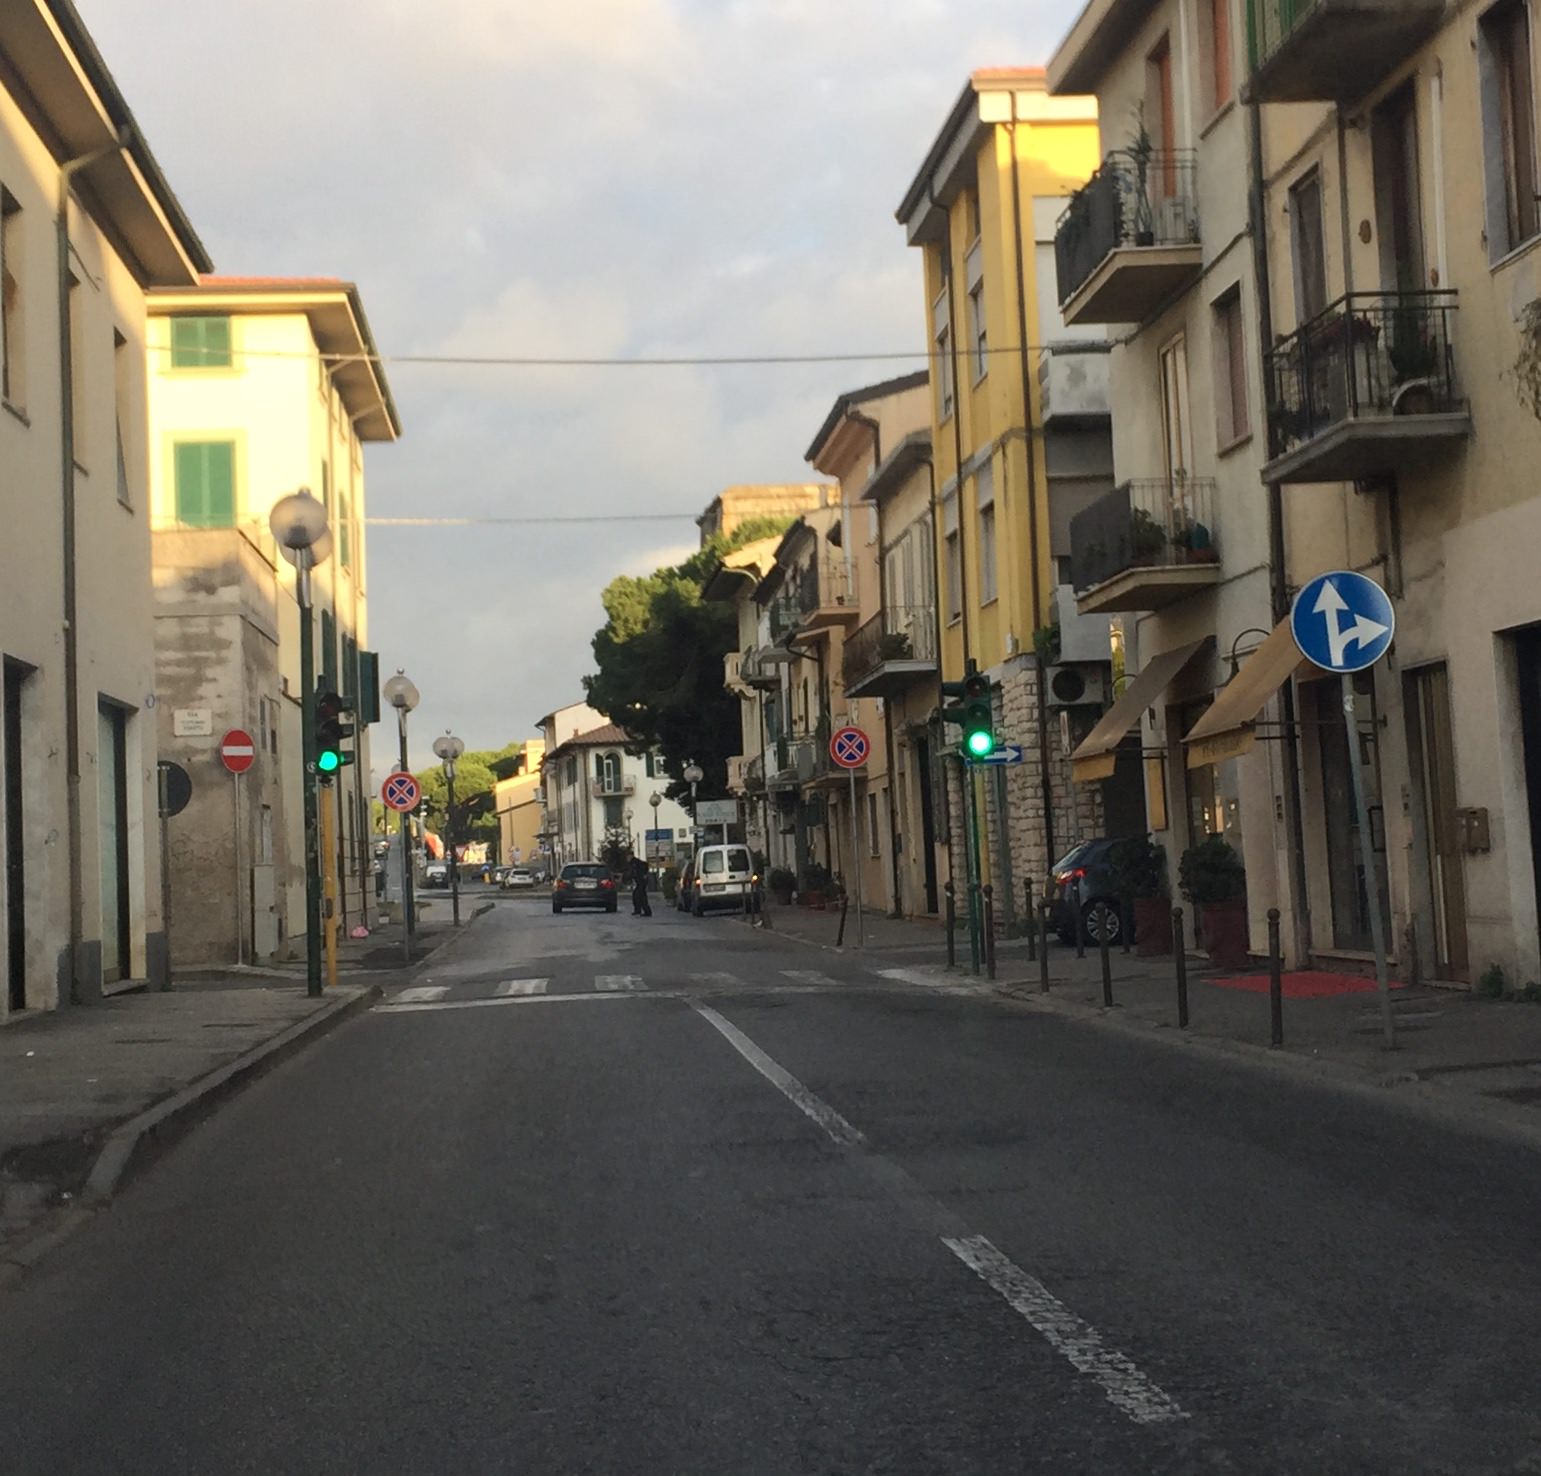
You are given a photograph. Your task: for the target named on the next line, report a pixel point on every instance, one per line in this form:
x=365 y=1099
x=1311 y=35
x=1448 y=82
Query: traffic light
x=978 y=716
x=330 y=732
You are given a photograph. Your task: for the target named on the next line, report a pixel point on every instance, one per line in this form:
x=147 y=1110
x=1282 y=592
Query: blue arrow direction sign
x=1342 y=621
x=1007 y=753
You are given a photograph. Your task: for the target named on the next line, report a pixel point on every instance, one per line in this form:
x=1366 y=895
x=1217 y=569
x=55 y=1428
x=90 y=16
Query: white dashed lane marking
x=421 y=994
x=618 y=983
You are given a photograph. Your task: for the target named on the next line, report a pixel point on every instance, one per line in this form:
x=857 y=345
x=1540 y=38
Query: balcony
x=756 y=673
x=753 y=774
x=1332 y=50
x=1129 y=239
x=1365 y=388
x=736 y=774
x=820 y=597
x=789 y=760
x=893 y=650
x=1073 y=386
x=622 y=784
x=733 y=674
x=1144 y=545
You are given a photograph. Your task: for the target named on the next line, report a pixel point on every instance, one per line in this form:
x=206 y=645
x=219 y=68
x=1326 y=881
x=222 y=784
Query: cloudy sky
x=611 y=178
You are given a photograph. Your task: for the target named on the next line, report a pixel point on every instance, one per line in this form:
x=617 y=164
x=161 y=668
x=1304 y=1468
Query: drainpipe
x=938 y=748
x=1045 y=782
x=1278 y=582
x=79 y=986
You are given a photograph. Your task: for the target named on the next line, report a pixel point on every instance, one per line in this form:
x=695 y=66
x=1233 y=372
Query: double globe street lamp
x=403 y=696
x=447 y=749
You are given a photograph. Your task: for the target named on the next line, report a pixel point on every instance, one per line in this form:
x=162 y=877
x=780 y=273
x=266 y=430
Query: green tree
x=659 y=659
x=476 y=771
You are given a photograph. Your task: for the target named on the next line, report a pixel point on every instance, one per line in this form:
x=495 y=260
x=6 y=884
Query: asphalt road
x=598 y=1194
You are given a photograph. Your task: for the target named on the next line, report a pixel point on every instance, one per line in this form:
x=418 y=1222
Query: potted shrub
x=781 y=884
x=1196 y=542
x=1046 y=642
x=1215 y=882
x=1139 y=878
x=815 y=887
x=1146 y=535
x=894 y=645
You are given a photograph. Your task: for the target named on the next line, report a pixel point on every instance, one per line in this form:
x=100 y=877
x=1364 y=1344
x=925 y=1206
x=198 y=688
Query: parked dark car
x=584 y=884
x=1083 y=879
x=687 y=882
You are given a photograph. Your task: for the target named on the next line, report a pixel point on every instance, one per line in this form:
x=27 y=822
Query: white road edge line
x=495 y=1002
x=1078 y=1342
x=838 y=1129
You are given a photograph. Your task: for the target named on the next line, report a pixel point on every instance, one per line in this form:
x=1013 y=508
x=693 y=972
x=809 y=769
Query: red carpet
x=1309 y=984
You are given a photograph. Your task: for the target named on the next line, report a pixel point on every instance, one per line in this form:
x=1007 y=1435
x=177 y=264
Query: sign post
x=175 y=790
x=849 y=748
x=1345 y=622
x=238 y=752
x=401 y=792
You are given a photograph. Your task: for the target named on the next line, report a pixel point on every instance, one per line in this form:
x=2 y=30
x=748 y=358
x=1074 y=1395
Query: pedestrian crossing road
x=490 y=990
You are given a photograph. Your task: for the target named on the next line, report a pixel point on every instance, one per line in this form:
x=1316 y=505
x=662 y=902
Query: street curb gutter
x=134 y=1145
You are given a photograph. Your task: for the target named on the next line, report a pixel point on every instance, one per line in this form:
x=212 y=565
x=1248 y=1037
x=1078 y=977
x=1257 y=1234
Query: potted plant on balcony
x=1196 y=542
x=1141 y=148
x=1146 y=535
x=1046 y=642
x=1414 y=357
x=815 y=887
x=1139 y=878
x=1215 y=882
x=894 y=645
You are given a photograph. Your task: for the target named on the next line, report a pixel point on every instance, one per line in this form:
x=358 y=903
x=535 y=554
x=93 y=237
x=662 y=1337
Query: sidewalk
x=89 y=1095
x=1485 y=1053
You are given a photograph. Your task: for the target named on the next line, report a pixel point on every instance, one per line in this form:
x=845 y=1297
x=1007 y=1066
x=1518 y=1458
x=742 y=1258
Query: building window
x=608 y=768
x=1231 y=415
x=953 y=550
x=1218 y=14
x=979 y=340
x=984 y=501
x=205 y=483
x=12 y=377
x=872 y=825
x=200 y=343
x=122 y=389
x=1309 y=251
x=941 y=339
x=1508 y=126
x=345 y=532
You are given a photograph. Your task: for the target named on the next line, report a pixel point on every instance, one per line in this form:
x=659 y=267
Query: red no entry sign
x=237 y=750
x=401 y=792
x=849 y=748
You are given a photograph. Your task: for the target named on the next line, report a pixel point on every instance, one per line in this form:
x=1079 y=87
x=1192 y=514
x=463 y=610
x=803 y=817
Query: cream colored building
x=81 y=906
x=731 y=508
x=259 y=386
x=516 y=804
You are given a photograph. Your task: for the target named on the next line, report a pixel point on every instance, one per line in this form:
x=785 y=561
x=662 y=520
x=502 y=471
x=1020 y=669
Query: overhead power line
x=531 y=518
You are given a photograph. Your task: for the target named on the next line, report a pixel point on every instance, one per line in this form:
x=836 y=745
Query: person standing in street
x=640 y=906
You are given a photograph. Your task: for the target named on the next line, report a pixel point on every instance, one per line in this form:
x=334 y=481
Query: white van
x=724 y=876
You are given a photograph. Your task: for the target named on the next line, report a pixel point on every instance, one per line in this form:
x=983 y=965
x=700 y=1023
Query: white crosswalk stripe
x=926 y=978
x=422 y=994
x=718 y=977
x=618 y=983
x=809 y=976
x=514 y=988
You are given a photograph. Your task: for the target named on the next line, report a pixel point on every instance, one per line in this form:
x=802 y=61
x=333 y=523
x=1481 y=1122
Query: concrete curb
x=134 y=1145
x=1490 y=1117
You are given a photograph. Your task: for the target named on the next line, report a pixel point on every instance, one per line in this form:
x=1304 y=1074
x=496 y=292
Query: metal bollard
x=1125 y=921
x=1032 y=930
x=1080 y=922
x=1275 y=981
x=845 y=906
x=952 y=926
x=1043 y=947
x=1180 y=953
x=989 y=930
x=1107 y=963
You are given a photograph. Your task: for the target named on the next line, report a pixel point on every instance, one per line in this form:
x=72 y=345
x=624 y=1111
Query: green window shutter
x=200 y=343
x=329 y=650
x=205 y=483
x=368 y=687
x=345 y=532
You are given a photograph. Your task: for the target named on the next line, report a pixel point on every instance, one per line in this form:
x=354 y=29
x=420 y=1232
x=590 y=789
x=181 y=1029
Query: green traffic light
x=980 y=743
x=328 y=761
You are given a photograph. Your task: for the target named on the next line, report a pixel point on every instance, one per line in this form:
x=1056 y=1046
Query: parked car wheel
x=1100 y=916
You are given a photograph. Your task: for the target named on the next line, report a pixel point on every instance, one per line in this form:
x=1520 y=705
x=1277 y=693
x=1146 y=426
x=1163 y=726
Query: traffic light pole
x=308 y=765
x=975 y=909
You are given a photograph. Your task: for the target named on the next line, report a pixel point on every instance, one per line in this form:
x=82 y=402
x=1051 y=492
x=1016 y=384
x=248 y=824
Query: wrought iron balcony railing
x=898 y=634
x=1154 y=523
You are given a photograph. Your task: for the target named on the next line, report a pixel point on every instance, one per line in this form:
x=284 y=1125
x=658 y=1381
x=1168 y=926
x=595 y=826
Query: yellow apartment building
x=259 y=386
x=516 y=803
x=81 y=905
x=1019 y=442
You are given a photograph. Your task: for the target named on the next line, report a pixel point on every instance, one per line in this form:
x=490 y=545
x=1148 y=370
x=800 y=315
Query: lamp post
x=449 y=748
x=403 y=696
x=693 y=775
x=298 y=523
x=654 y=799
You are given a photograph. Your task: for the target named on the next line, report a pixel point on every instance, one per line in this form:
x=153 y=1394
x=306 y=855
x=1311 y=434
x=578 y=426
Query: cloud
x=595 y=177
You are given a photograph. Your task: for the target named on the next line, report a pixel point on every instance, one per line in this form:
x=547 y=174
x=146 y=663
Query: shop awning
x=1225 y=731
x=1095 y=757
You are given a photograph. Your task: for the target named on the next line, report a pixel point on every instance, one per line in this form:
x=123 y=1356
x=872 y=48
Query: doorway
x=1432 y=758
x=927 y=820
x=1346 y=876
x=15 y=678
x=112 y=826
x=1398 y=204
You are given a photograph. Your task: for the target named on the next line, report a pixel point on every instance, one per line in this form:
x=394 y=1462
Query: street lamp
x=693 y=775
x=449 y=748
x=403 y=696
x=298 y=524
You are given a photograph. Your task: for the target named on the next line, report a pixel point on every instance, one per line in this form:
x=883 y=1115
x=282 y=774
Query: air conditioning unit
x=1078 y=684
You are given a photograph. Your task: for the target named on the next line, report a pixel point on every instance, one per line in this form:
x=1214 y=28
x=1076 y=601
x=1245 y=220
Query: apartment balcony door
x=112 y=826
x=15 y=838
x=1398 y=202
x=1431 y=755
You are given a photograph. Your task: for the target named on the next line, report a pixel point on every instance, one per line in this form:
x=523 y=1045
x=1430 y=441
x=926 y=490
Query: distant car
x=723 y=878
x=517 y=878
x=584 y=884
x=437 y=874
x=1083 y=881
x=686 y=884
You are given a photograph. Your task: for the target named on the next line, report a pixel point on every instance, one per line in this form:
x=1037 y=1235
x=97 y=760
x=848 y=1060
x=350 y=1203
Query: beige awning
x=1225 y=731
x=1095 y=757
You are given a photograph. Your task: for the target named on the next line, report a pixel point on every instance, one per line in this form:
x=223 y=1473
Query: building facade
x=516 y=803
x=259 y=387
x=1019 y=444
x=88 y=225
